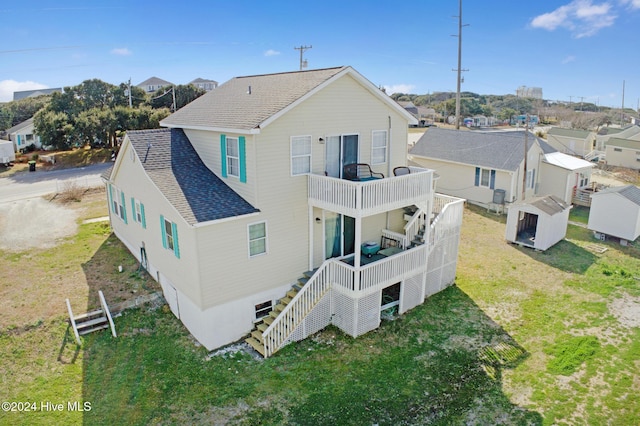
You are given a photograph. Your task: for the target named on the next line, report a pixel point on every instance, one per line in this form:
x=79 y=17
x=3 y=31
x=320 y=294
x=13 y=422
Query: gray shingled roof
x=549 y=204
x=154 y=81
x=630 y=192
x=173 y=165
x=495 y=150
x=244 y=103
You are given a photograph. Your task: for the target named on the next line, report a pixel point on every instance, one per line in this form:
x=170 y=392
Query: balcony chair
x=360 y=172
x=401 y=171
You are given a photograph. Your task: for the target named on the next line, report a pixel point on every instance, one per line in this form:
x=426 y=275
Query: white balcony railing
x=360 y=199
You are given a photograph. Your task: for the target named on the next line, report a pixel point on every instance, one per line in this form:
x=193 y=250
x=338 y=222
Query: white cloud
x=633 y=4
x=121 y=51
x=582 y=18
x=399 y=88
x=7 y=87
x=271 y=52
x=568 y=59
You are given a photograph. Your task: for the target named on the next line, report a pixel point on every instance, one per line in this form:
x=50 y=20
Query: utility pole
x=302 y=49
x=526 y=145
x=173 y=90
x=129 y=90
x=622 y=111
x=459 y=70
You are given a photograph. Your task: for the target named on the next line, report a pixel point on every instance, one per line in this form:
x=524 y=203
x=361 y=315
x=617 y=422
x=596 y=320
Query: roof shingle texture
x=630 y=192
x=174 y=166
x=245 y=102
x=495 y=150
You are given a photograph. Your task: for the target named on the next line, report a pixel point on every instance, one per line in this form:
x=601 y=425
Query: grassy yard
x=523 y=337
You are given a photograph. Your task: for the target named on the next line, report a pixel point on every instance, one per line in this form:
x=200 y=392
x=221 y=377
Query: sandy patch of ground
x=34 y=223
x=627 y=310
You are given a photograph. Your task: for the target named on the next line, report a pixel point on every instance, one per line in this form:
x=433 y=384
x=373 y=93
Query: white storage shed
x=616 y=212
x=538 y=222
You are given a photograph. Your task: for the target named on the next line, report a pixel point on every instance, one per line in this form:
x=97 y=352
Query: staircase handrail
x=73 y=323
x=272 y=340
x=105 y=309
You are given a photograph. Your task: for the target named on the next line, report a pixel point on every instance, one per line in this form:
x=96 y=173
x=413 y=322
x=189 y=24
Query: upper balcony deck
x=361 y=199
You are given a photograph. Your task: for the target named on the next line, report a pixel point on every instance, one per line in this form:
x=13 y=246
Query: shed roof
x=565 y=161
x=548 y=204
x=630 y=192
x=251 y=102
x=173 y=165
x=496 y=150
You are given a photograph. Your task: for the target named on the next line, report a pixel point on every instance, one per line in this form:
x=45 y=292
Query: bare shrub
x=71 y=191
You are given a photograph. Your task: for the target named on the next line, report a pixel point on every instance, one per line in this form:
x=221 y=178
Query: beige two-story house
x=242 y=210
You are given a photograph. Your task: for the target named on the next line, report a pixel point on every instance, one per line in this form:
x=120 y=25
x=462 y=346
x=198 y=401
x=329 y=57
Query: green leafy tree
x=53 y=128
x=163 y=98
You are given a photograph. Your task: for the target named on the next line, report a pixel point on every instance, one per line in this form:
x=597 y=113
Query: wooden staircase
x=91 y=321
x=255 y=339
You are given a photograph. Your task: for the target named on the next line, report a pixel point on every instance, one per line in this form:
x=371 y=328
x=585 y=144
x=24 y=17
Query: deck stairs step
x=255 y=344
x=89 y=322
x=255 y=339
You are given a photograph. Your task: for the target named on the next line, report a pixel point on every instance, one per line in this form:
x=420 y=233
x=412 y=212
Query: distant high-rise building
x=529 y=92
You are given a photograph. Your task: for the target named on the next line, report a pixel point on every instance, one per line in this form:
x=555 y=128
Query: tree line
x=582 y=115
x=94 y=112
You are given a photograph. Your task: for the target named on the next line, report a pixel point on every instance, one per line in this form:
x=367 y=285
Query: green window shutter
x=111 y=198
x=477 y=183
x=124 y=208
x=133 y=210
x=243 y=159
x=223 y=154
x=176 y=245
x=164 y=232
x=144 y=220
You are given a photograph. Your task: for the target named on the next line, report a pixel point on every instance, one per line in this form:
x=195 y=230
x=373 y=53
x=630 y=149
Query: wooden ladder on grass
x=91 y=321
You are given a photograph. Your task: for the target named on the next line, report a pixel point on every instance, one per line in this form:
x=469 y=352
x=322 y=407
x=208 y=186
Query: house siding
x=132 y=180
x=626 y=157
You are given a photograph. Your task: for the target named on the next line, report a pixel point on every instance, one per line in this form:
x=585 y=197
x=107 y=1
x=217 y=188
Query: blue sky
x=574 y=50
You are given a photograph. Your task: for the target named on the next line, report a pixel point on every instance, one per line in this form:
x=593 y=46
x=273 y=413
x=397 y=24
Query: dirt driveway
x=47 y=255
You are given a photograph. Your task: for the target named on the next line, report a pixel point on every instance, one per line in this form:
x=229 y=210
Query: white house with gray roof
x=615 y=211
x=623 y=153
x=241 y=210
x=477 y=165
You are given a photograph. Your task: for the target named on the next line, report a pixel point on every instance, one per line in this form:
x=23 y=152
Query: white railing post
x=106 y=311
x=73 y=323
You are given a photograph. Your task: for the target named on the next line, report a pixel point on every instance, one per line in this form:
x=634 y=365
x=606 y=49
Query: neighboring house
x=152 y=84
x=477 y=165
x=606 y=133
x=571 y=141
x=564 y=176
x=34 y=93
x=623 y=153
x=207 y=85
x=229 y=206
x=538 y=223
x=425 y=116
x=616 y=211
x=23 y=135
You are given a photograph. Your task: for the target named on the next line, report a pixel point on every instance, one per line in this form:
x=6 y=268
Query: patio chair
x=401 y=171
x=360 y=172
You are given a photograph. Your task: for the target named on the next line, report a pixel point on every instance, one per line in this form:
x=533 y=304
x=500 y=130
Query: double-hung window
x=137 y=208
x=118 y=206
x=300 y=155
x=233 y=157
x=170 y=236
x=257 y=239
x=379 y=147
x=485 y=178
x=531 y=178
